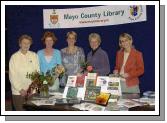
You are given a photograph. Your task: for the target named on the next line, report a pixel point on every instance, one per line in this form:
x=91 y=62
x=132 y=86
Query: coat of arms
x=134 y=10
x=54 y=19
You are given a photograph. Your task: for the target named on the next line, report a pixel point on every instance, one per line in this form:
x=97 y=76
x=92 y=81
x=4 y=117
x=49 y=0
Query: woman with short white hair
x=97 y=57
x=20 y=63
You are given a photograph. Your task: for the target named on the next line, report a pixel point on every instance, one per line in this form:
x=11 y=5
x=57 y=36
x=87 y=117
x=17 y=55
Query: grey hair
x=95 y=35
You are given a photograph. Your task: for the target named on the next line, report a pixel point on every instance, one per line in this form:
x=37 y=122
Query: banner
x=93 y=16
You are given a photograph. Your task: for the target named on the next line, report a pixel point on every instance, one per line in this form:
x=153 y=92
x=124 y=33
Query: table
x=29 y=106
x=59 y=107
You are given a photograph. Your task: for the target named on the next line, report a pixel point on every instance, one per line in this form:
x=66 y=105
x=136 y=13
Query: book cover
x=91 y=79
x=110 y=85
x=80 y=81
x=91 y=93
x=128 y=103
x=80 y=92
x=68 y=101
x=72 y=92
x=103 y=98
x=71 y=81
x=102 y=81
x=90 y=82
x=114 y=86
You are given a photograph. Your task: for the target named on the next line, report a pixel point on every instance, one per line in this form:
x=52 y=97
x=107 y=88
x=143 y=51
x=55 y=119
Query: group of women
x=129 y=62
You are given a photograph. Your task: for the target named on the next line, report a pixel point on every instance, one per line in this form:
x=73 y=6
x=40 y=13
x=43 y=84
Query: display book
x=95 y=89
x=110 y=85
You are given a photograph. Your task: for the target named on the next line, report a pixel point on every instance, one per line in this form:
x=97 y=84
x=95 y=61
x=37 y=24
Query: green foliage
x=38 y=78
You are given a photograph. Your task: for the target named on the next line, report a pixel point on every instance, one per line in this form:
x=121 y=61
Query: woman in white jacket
x=20 y=63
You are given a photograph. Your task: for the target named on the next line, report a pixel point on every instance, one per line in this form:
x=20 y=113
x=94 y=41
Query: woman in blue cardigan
x=49 y=57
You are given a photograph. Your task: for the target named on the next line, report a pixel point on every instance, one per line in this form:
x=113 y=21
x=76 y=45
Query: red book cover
x=80 y=80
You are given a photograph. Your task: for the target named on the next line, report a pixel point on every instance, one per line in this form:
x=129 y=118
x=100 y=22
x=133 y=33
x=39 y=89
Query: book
x=91 y=79
x=92 y=75
x=128 y=103
x=114 y=86
x=43 y=102
x=91 y=93
x=89 y=107
x=103 y=98
x=97 y=108
x=145 y=100
x=110 y=85
x=112 y=106
x=80 y=92
x=80 y=80
x=68 y=101
x=72 y=92
x=90 y=82
x=102 y=81
x=71 y=81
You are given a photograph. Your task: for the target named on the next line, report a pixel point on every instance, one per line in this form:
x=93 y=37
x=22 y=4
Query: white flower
x=45 y=82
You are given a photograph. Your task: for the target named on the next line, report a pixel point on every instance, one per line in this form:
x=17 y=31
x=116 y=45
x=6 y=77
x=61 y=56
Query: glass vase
x=44 y=90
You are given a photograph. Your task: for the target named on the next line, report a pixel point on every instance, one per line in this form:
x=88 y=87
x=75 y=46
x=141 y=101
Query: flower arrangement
x=59 y=71
x=41 y=80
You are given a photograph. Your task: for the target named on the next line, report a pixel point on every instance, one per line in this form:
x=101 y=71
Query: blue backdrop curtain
x=29 y=20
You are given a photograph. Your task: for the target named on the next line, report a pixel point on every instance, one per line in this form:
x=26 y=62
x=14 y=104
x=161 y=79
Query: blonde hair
x=72 y=33
x=126 y=35
x=25 y=37
x=95 y=35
